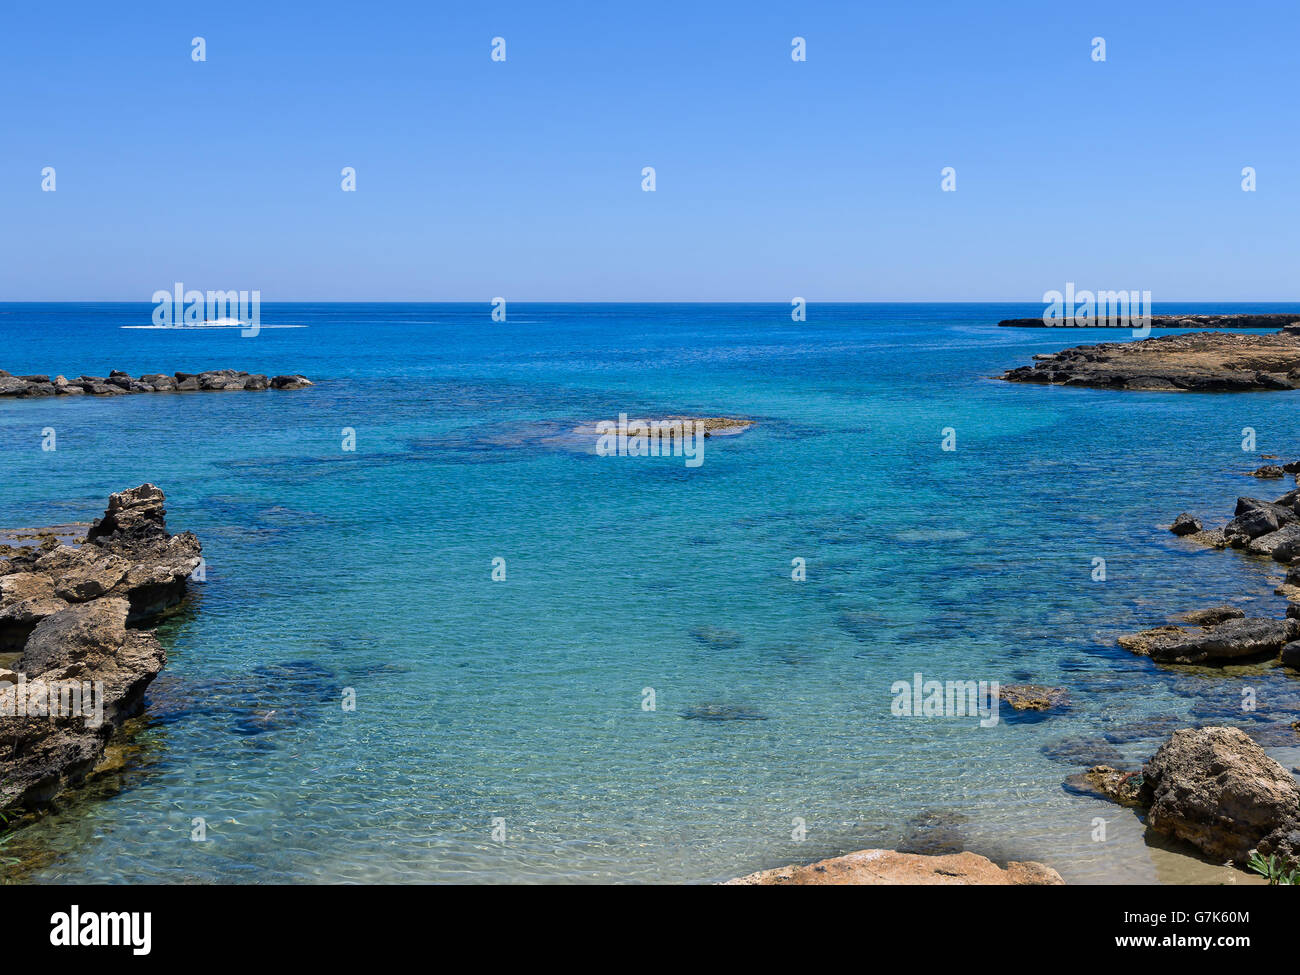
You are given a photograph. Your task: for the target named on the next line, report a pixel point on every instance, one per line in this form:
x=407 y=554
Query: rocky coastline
x=74 y=659
x=118 y=383
x=1202 y=362
x=1248 y=320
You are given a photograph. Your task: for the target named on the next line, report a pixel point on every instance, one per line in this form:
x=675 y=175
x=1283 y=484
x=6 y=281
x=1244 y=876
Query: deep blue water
x=522 y=699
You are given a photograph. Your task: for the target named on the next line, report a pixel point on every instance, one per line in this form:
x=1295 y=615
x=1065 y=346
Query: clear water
x=522 y=699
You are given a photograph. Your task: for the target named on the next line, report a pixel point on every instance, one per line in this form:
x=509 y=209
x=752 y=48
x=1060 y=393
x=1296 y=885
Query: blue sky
x=774 y=178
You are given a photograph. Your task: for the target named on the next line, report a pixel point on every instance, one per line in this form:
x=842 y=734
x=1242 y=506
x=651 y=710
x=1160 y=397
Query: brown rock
x=1032 y=697
x=886 y=867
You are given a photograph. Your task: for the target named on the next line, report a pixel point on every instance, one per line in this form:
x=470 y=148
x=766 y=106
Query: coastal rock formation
x=1232 y=639
x=1266 y=320
x=1032 y=697
x=118 y=383
x=1216 y=789
x=1194 y=362
x=1185 y=524
x=1105 y=782
x=67 y=611
x=886 y=867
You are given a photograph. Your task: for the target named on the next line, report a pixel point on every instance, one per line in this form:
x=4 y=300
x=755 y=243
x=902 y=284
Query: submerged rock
x=723 y=712
x=887 y=867
x=1104 y=782
x=1032 y=697
x=717 y=637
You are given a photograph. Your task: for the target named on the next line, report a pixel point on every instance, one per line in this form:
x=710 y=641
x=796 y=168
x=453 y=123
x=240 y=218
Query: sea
x=440 y=638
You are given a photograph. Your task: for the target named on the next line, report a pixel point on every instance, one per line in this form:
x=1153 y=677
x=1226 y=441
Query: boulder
x=1185 y=524
x=1291 y=655
x=1282 y=545
x=138 y=512
x=1216 y=789
x=290 y=382
x=1268 y=471
x=81 y=574
x=887 y=868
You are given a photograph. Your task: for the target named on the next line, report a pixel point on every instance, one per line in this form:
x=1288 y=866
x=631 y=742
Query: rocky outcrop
x=1194 y=362
x=1264 y=320
x=1231 y=640
x=1216 y=789
x=886 y=867
x=120 y=383
x=82 y=668
x=1032 y=697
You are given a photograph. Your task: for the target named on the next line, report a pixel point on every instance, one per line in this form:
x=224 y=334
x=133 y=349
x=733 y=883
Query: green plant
x=1278 y=875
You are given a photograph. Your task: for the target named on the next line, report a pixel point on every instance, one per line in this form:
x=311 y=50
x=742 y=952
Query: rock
x=1216 y=789
x=290 y=382
x=1185 y=524
x=886 y=867
x=1234 y=639
x=1104 y=782
x=1032 y=697
x=1291 y=655
x=717 y=637
x=81 y=574
x=1212 y=615
x=1268 y=471
x=118 y=383
x=69 y=610
x=1282 y=545
x=79 y=634
x=138 y=512
x=1193 y=362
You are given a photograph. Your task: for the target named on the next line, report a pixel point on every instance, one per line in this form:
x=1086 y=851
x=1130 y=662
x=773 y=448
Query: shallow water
x=523 y=699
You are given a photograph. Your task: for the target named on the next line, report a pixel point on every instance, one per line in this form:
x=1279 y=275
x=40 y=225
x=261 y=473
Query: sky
x=774 y=178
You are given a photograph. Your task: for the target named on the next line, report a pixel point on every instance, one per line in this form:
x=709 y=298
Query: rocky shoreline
x=1205 y=362
x=76 y=661
x=1262 y=320
x=118 y=383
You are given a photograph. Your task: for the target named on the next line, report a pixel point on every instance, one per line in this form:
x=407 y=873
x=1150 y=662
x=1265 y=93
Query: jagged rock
x=1032 y=697
x=886 y=867
x=1185 y=524
x=1282 y=545
x=1234 y=639
x=1268 y=471
x=1212 y=615
x=68 y=610
x=290 y=382
x=1216 y=789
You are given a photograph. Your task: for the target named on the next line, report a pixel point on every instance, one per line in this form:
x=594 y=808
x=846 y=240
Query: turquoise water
x=523 y=699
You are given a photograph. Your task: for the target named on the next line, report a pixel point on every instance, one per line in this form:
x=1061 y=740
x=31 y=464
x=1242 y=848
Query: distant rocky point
x=1195 y=362
x=120 y=383
x=1269 y=320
